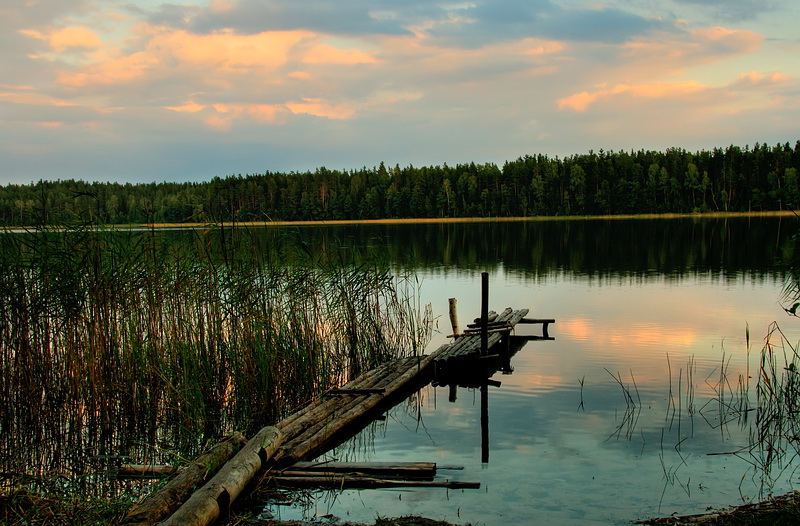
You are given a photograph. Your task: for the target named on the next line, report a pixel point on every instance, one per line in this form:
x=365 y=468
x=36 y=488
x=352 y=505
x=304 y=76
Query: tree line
x=735 y=179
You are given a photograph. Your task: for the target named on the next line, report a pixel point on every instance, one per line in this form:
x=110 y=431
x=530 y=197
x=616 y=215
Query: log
x=348 y=474
x=318 y=435
x=311 y=414
x=324 y=411
x=395 y=469
x=453 y=316
x=347 y=482
x=354 y=391
x=145 y=471
x=160 y=504
x=207 y=504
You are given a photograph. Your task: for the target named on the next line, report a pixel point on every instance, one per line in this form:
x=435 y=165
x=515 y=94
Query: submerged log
x=394 y=469
x=354 y=482
x=160 y=504
x=209 y=502
x=145 y=471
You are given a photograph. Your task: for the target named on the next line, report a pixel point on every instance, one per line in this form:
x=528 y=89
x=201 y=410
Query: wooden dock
x=339 y=414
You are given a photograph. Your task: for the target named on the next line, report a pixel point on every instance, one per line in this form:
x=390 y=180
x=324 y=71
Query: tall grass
x=114 y=343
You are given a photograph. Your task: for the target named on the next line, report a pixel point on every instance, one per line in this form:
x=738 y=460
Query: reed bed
x=116 y=344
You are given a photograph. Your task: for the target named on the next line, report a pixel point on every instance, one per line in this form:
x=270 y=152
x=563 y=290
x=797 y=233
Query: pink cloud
x=67 y=38
x=325 y=54
x=74 y=37
x=674 y=53
x=111 y=71
x=755 y=78
x=188 y=107
x=227 y=51
x=654 y=90
x=729 y=40
x=320 y=109
x=31 y=98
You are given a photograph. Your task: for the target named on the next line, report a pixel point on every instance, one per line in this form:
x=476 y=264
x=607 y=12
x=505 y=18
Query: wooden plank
x=145 y=471
x=353 y=391
x=301 y=446
x=369 y=483
x=407 y=469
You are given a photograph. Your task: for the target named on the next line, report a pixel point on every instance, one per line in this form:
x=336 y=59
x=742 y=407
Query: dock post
x=485 y=423
x=453 y=317
x=484 y=313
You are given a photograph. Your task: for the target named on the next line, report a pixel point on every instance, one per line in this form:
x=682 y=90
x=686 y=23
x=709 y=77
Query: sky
x=151 y=91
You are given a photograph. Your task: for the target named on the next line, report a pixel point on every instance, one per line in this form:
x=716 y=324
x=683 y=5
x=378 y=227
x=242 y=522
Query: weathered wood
x=524 y=321
x=145 y=471
x=324 y=409
x=464 y=356
x=484 y=313
x=309 y=416
x=313 y=438
x=215 y=497
x=453 y=316
x=158 y=505
x=349 y=482
x=545 y=322
x=499 y=329
x=352 y=391
x=404 y=469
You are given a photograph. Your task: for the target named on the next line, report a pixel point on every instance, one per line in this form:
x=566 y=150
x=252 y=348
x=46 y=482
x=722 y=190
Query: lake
x=646 y=402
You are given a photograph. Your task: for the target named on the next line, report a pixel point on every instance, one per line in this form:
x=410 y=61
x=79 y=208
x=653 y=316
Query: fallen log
x=145 y=471
x=209 y=502
x=343 y=391
x=160 y=504
x=395 y=469
x=350 y=482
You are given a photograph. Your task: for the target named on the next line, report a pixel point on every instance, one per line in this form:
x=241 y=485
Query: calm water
x=664 y=306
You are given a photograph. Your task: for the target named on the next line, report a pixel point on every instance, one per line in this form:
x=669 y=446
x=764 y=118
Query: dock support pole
x=453 y=317
x=485 y=423
x=484 y=313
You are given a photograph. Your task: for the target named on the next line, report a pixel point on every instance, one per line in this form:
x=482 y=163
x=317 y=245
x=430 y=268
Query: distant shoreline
x=532 y=219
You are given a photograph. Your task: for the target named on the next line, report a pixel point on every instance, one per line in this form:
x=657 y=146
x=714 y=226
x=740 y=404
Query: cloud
x=356 y=17
x=111 y=71
x=226 y=51
x=656 y=90
x=74 y=37
x=756 y=79
x=319 y=108
x=298 y=85
x=733 y=10
x=492 y=21
x=24 y=95
x=67 y=38
x=327 y=54
x=221 y=116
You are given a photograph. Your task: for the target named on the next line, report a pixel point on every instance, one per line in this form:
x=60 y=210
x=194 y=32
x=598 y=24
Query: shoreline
x=428 y=220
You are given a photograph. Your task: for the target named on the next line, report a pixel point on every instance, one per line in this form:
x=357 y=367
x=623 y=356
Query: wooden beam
x=349 y=482
x=408 y=469
x=208 y=503
x=160 y=504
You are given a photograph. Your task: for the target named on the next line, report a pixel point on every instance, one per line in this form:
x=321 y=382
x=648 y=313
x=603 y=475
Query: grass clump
x=135 y=344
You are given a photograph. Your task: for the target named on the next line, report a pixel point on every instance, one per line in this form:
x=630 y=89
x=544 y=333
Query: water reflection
x=611 y=248
x=663 y=306
x=644 y=404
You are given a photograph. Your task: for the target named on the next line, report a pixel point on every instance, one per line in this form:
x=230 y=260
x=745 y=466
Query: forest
x=732 y=179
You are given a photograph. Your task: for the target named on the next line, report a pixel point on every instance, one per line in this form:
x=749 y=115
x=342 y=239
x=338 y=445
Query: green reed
x=120 y=343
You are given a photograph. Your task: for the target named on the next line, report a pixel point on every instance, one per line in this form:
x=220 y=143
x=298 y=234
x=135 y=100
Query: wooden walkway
x=338 y=415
